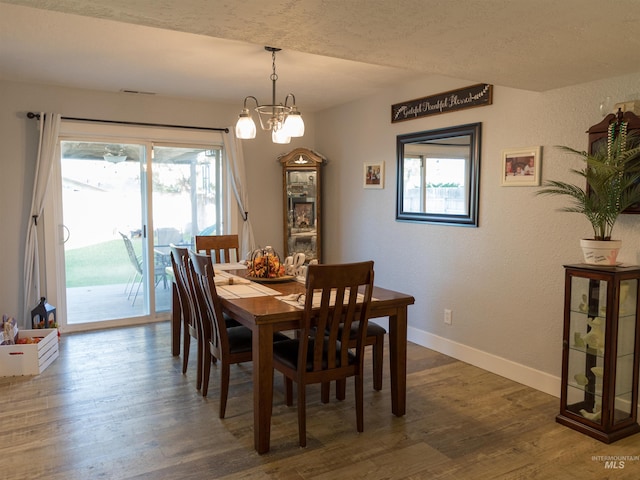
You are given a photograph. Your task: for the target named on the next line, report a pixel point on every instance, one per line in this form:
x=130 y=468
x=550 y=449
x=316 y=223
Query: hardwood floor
x=115 y=405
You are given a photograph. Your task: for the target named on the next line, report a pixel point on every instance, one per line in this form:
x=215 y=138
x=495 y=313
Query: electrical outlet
x=447 y=316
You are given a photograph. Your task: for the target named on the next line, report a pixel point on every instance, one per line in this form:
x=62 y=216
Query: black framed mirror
x=439 y=175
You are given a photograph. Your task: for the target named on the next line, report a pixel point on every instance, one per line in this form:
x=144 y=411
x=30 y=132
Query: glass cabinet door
x=586 y=347
x=302 y=222
x=624 y=361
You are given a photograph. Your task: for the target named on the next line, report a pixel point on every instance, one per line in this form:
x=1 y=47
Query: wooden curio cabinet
x=302 y=208
x=611 y=127
x=599 y=394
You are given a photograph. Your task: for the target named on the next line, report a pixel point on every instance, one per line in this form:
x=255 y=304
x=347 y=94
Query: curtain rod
x=141 y=124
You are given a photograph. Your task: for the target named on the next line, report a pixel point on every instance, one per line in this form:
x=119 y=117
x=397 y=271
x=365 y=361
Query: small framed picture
x=374 y=175
x=521 y=167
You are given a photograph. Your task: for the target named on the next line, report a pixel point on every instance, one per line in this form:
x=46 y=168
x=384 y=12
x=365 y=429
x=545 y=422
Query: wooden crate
x=29 y=359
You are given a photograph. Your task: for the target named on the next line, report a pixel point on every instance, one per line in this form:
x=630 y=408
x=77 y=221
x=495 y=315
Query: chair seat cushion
x=240 y=338
x=230 y=321
x=373 y=329
x=287 y=353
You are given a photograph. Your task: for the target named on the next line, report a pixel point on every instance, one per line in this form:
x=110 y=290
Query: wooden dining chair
x=321 y=353
x=224 y=248
x=180 y=265
x=228 y=344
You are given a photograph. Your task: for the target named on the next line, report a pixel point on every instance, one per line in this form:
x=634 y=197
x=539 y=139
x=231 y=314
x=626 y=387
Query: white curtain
x=49 y=124
x=235 y=163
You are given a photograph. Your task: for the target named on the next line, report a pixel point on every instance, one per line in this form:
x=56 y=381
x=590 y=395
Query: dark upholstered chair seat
x=287 y=352
x=240 y=339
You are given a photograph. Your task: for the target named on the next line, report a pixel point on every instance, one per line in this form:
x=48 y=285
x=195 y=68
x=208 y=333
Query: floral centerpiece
x=265 y=263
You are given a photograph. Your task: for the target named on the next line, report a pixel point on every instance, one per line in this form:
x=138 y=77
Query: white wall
x=19 y=140
x=502 y=280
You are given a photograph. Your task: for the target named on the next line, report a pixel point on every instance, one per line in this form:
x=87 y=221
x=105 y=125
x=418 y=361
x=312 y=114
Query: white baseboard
x=500 y=366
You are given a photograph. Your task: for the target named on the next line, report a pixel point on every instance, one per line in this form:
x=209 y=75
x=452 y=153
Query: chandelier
x=284 y=121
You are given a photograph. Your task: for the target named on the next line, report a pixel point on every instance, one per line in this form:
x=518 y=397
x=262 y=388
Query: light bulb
x=294 y=125
x=245 y=127
x=280 y=136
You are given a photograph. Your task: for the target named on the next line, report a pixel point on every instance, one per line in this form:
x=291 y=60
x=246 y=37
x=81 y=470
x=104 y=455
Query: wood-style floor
x=115 y=405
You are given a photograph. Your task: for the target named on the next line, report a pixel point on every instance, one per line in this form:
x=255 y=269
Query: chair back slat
x=332 y=302
x=222 y=248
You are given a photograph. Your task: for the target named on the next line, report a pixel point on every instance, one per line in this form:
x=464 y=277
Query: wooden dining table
x=266 y=314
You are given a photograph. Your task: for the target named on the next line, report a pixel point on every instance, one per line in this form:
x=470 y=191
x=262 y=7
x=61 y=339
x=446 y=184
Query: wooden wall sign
x=468 y=97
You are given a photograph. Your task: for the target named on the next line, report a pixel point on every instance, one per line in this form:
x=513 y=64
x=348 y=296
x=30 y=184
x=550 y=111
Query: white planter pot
x=598 y=252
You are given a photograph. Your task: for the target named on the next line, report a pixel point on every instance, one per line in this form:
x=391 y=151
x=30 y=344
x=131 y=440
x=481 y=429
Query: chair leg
x=378 y=349
x=186 y=348
x=359 y=402
x=224 y=386
x=302 y=415
x=288 y=391
x=137 y=292
x=325 y=391
x=341 y=389
x=202 y=354
x=206 y=372
x=130 y=281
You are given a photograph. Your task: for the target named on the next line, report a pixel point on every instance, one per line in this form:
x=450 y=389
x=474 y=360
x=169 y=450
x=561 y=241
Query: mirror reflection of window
x=445 y=192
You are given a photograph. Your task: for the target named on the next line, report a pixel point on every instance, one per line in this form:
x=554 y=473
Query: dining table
x=265 y=313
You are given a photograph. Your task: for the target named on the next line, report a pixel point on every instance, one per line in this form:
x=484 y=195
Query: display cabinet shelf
x=599 y=394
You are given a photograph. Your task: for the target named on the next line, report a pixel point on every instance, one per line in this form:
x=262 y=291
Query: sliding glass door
x=186 y=197
x=123 y=205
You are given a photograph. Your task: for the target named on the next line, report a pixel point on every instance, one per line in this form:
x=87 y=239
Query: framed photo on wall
x=374 y=175
x=521 y=167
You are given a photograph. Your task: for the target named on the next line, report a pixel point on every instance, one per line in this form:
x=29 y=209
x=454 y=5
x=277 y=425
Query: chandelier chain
x=274 y=76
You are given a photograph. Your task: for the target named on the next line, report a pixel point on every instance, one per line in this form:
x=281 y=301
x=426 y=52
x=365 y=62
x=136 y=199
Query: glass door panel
x=186 y=198
x=104 y=251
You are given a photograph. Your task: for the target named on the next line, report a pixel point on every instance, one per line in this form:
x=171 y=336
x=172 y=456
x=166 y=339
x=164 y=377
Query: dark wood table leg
x=398 y=361
x=262 y=386
x=175 y=321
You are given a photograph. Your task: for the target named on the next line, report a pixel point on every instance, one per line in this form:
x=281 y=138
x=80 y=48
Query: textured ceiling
x=333 y=50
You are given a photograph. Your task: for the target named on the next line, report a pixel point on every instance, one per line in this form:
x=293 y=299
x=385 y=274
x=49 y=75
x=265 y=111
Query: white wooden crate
x=29 y=359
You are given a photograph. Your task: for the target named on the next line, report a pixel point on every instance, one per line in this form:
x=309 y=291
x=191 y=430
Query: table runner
x=245 y=290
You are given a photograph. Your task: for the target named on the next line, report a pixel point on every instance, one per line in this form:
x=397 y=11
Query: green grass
x=105 y=263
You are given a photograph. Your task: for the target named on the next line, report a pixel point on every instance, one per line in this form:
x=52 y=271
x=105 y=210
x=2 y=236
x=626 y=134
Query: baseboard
x=500 y=366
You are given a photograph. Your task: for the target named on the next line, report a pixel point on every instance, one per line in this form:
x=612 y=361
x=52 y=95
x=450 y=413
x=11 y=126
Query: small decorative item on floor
x=43 y=315
x=9 y=331
x=264 y=263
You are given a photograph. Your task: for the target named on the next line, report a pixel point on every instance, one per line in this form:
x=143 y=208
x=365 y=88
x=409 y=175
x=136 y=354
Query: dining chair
x=228 y=344
x=322 y=352
x=225 y=248
x=180 y=265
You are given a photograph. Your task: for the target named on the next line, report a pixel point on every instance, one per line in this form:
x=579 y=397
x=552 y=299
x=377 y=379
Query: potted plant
x=610 y=184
